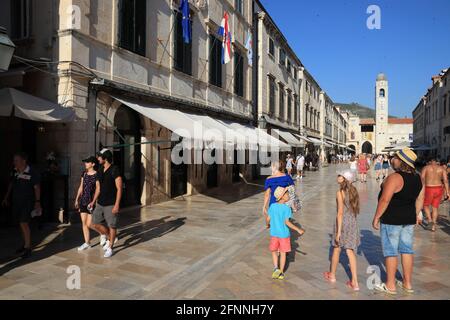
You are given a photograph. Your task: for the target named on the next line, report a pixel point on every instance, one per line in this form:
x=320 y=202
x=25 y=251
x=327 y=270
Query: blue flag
x=186 y=23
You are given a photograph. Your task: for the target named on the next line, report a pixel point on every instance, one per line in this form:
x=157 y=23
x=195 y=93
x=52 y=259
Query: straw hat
x=407 y=156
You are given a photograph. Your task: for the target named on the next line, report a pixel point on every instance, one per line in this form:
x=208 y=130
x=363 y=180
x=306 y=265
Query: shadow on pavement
x=236 y=192
x=69 y=237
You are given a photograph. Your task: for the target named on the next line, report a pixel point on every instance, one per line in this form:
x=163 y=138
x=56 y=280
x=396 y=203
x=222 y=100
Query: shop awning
x=327 y=144
x=289 y=138
x=315 y=141
x=179 y=123
x=201 y=131
x=256 y=136
x=26 y=106
x=302 y=137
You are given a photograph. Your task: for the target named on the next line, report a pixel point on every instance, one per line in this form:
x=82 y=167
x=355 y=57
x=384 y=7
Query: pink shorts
x=280 y=244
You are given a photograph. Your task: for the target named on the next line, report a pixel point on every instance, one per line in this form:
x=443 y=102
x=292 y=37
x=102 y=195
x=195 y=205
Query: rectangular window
x=282 y=57
x=182 y=50
x=238 y=5
x=295 y=108
x=20 y=19
x=215 y=61
x=271 y=47
x=132 y=25
x=281 y=101
x=271 y=95
x=289 y=66
x=289 y=105
x=295 y=73
x=239 y=74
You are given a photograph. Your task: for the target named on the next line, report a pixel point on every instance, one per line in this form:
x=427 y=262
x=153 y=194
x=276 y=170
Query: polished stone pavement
x=215 y=246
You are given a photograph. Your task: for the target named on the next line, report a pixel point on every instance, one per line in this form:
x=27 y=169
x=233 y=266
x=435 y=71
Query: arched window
x=382 y=93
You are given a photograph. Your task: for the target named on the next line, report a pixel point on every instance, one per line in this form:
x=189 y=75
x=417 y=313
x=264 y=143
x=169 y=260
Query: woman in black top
x=399 y=204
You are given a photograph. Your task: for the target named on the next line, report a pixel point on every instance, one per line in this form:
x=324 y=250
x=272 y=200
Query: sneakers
x=281 y=276
x=106 y=245
x=108 y=253
x=83 y=247
x=102 y=240
x=276 y=274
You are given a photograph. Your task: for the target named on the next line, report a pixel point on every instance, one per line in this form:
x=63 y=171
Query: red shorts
x=280 y=244
x=433 y=196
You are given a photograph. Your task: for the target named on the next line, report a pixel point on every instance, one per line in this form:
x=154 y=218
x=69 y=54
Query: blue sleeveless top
x=274 y=183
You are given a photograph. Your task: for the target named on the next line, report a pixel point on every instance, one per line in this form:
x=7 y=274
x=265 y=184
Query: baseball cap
x=347 y=174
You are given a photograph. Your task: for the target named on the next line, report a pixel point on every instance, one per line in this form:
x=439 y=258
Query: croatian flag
x=224 y=31
x=249 y=47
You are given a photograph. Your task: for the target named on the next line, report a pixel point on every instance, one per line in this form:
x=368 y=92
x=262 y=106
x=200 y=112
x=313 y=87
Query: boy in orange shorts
x=280 y=241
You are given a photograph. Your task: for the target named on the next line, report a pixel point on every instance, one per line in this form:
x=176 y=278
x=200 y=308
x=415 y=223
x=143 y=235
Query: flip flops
x=382 y=288
x=401 y=286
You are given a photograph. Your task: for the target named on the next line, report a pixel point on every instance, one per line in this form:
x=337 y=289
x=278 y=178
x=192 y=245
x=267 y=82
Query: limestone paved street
x=215 y=246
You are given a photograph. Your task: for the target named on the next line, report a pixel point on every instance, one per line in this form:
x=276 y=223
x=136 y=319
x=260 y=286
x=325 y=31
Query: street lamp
x=7 y=48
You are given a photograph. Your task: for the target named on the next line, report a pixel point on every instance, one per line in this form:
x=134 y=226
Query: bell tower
x=382 y=113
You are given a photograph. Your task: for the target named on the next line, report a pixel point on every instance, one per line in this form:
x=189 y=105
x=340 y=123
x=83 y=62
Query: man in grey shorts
x=108 y=203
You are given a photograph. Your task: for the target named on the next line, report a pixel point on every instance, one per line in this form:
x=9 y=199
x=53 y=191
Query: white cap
x=347 y=174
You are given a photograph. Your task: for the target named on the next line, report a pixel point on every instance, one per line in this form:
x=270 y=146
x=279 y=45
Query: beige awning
x=26 y=106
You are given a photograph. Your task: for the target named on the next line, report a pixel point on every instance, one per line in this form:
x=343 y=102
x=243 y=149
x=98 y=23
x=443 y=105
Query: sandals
x=401 y=286
x=351 y=286
x=432 y=227
x=328 y=277
x=382 y=288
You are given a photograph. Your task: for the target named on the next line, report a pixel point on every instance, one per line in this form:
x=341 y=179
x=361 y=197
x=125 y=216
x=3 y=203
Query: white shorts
x=300 y=168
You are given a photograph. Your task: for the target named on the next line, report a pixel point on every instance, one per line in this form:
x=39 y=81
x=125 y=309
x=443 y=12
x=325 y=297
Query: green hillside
x=358 y=109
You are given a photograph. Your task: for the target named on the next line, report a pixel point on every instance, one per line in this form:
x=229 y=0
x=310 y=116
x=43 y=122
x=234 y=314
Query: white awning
x=302 y=137
x=26 y=106
x=200 y=131
x=179 y=123
x=315 y=141
x=256 y=136
x=290 y=138
x=327 y=144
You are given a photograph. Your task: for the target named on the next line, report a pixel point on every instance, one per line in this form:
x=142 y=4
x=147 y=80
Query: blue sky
x=333 y=42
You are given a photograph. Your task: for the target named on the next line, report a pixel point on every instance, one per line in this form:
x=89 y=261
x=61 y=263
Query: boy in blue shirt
x=280 y=240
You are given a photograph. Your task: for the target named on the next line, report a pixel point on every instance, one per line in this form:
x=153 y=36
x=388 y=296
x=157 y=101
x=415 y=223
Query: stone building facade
x=432 y=117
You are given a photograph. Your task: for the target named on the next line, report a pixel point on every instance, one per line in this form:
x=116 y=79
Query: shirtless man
x=434 y=177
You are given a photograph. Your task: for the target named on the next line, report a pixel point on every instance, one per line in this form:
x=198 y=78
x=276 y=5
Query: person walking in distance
x=25 y=193
x=434 y=177
x=363 y=167
x=385 y=166
x=108 y=203
x=87 y=196
x=400 y=202
x=378 y=166
x=346 y=230
x=300 y=165
x=289 y=164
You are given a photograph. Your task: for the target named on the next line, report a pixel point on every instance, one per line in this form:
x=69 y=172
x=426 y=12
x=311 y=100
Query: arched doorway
x=128 y=156
x=353 y=151
x=366 y=147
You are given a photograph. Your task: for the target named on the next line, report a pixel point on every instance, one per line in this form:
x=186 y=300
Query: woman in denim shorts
x=399 y=204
